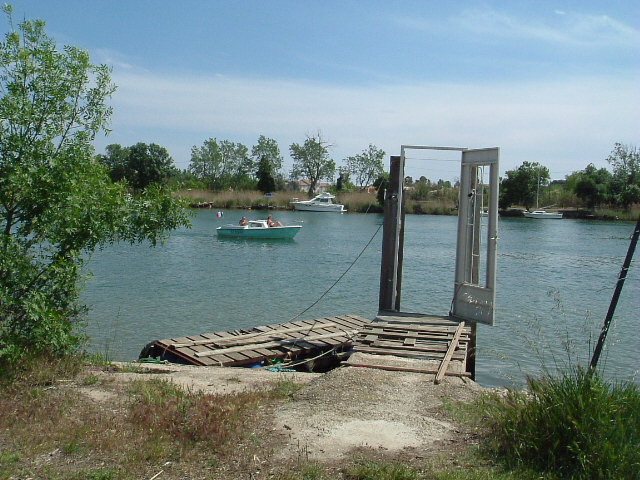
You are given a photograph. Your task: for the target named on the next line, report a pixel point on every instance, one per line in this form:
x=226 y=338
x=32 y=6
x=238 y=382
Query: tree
x=311 y=161
x=148 y=164
x=222 y=164
x=140 y=165
x=56 y=202
x=267 y=149
x=591 y=185
x=625 y=184
x=521 y=186
x=266 y=181
x=206 y=162
x=366 y=166
x=115 y=159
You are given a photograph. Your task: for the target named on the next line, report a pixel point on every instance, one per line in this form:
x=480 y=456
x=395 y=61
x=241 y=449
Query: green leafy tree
x=221 y=164
x=115 y=159
x=56 y=202
x=522 y=185
x=344 y=180
x=591 y=185
x=267 y=149
x=311 y=161
x=206 y=162
x=625 y=184
x=148 y=164
x=365 y=167
x=266 y=180
x=140 y=165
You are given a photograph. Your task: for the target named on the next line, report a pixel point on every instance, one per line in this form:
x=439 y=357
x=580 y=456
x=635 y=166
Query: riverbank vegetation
x=56 y=202
x=83 y=424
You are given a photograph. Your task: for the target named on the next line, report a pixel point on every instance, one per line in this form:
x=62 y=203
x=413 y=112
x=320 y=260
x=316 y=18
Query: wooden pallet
x=440 y=338
x=257 y=344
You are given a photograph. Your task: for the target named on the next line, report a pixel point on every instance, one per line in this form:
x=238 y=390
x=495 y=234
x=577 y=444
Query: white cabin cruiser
x=320 y=203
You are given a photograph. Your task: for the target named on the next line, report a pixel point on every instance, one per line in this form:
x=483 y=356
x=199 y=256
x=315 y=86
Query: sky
x=555 y=82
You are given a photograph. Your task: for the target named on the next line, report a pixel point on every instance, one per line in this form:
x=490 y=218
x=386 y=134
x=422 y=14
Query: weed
x=574 y=425
x=90 y=380
x=285 y=388
x=379 y=470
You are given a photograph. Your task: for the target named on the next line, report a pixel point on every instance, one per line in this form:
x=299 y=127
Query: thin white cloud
x=565 y=124
x=570 y=28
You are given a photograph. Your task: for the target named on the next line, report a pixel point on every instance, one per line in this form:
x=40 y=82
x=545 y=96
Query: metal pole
x=614 y=299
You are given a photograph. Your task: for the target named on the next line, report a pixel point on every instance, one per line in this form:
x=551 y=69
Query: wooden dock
x=437 y=338
x=258 y=344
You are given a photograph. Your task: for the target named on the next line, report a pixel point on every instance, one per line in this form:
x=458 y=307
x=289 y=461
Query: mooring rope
x=337 y=281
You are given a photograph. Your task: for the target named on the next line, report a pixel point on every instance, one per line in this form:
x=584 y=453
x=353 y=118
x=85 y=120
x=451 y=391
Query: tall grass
x=572 y=425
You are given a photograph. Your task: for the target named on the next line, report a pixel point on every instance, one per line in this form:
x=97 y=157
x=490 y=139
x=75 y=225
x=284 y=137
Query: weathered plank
x=405 y=369
x=231 y=350
x=447 y=358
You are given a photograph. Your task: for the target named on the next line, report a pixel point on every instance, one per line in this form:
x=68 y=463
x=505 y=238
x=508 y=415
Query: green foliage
x=140 y=165
x=571 y=426
x=222 y=164
x=368 y=470
x=366 y=166
x=311 y=161
x=382 y=185
x=521 y=186
x=266 y=182
x=591 y=185
x=267 y=149
x=625 y=185
x=56 y=202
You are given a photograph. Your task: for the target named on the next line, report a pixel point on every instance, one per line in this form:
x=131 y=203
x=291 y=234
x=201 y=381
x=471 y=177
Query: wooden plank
x=241 y=339
x=399 y=353
x=420 y=336
x=447 y=358
x=227 y=351
x=405 y=369
x=413 y=327
x=426 y=347
x=407 y=352
x=410 y=341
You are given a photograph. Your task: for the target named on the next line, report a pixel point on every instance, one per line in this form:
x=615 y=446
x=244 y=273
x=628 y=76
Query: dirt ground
x=346 y=410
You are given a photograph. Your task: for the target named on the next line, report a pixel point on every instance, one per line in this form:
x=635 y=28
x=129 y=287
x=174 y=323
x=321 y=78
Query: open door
x=475 y=278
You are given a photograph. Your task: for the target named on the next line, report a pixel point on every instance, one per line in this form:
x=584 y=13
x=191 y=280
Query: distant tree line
x=224 y=164
x=594 y=187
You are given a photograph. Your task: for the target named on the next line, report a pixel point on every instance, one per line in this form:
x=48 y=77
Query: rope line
x=337 y=281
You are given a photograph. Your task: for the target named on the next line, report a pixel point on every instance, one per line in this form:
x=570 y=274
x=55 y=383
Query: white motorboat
x=258 y=229
x=320 y=203
x=542 y=214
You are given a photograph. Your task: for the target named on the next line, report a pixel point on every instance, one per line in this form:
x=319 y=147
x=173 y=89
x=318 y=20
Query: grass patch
x=380 y=470
x=573 y=425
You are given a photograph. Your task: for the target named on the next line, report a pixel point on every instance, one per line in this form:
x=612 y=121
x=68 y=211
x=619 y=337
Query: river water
x=555 y=282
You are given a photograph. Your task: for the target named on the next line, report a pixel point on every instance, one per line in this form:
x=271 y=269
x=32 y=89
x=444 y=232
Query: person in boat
x=243 y=221
x=272 y=223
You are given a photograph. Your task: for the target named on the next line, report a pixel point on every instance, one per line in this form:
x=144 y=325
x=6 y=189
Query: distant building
x=304 y=184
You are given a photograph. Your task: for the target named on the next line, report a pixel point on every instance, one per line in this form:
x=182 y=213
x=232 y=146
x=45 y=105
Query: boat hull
x=541 y=214
x=309 y=207
x=269 y=232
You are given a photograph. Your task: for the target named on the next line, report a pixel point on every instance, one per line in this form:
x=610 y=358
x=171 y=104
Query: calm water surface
x=555 y=282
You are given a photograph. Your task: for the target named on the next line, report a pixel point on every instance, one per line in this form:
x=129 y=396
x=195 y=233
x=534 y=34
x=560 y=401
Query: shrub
x=574 y=425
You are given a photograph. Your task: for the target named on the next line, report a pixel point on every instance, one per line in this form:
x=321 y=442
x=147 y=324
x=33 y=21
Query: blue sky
x=553 y=82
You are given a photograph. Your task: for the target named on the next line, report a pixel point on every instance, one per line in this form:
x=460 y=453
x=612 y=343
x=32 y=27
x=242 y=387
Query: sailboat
x=539 y=213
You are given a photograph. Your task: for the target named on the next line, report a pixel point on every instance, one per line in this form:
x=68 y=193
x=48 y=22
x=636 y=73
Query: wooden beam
x=224 y=351
x=405 y=369
x=241 y=339
x=447 y=357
